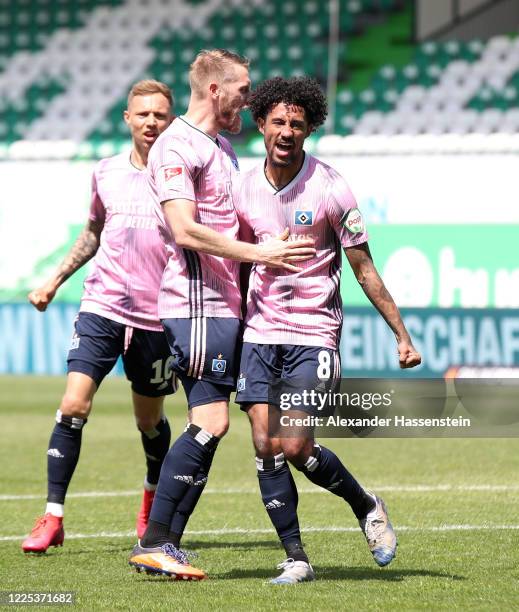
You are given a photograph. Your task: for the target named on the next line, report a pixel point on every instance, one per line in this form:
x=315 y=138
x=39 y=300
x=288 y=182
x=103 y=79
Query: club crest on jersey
x=219 y=365
x=303 y=217
x=174 y=177
x=353 y=221
x=240 y=385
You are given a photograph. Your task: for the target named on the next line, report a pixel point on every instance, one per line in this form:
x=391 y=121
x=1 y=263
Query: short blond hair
x=215 y=64
x=150 y=86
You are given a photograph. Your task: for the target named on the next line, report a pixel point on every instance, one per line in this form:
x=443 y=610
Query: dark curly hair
x=299 y=91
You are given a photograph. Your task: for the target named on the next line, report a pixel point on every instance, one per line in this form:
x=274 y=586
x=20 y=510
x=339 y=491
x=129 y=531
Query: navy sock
x=279 y=495
x=178 y=474
x=325 y=469
x=156 y=445
x=63 y=455
x=189 y=501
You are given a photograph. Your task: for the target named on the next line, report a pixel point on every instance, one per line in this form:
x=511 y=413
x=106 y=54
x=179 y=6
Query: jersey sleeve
x=97 y=211
x=344 y=214
x=176 y=171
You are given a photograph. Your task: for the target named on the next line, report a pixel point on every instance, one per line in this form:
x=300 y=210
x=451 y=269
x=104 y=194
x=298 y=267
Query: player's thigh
x=204 y=352
x=96 y=344
x=78 y=396
x=148 y=365
x=260 y=366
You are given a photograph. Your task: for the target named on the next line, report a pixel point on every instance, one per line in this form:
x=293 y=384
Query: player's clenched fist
x=408 y=356
x=41 y=298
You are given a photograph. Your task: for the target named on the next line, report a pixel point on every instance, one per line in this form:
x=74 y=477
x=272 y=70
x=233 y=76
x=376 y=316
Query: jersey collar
x=292 y=183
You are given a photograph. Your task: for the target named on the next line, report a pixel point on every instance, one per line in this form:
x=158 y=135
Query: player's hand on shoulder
x=282 y=253
x=408 y=356
x=40 y=298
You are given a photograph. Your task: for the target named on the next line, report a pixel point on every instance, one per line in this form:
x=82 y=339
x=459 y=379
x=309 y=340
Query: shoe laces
x=176 y=553
x=40 y=524
x=286 y=564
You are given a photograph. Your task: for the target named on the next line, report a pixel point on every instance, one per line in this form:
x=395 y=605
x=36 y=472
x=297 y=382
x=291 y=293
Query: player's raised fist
x=408 y=356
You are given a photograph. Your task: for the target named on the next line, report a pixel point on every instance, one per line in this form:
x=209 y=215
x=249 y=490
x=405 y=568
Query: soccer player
x=118 y=312
x=191 y=169
x=293 y=321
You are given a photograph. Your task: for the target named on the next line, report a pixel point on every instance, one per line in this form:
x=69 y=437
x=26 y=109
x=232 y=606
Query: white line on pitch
x=232 y=491
x=241 y=531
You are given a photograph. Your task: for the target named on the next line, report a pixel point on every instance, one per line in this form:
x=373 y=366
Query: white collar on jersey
x=289 y=185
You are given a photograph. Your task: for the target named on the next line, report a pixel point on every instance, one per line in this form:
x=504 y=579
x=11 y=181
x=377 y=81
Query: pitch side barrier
x=32 y=342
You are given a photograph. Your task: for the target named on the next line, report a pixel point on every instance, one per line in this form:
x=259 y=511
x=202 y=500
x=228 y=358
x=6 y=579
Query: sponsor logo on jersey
x=353 y=221
x=174 y=177
x=303 y=217
x=242 y=380
x=219 y=365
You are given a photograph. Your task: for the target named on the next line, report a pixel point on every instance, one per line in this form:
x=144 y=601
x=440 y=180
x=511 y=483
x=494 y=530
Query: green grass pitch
x=453 y=502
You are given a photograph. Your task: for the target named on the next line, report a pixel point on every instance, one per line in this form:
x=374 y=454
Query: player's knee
x=221 y=427
x=75 y=406
x=216 y=426
x=297 y=450
x=264 y=445
x=147 y=422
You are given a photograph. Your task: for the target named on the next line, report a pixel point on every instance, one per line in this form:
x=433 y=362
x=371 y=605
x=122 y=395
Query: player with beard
x=293 y=322
x=191 y=171
x=118 y=312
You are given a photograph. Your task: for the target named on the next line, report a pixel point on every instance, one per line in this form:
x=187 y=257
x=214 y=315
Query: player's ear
x=261 y=125
x=126 y=116
x=214 y=89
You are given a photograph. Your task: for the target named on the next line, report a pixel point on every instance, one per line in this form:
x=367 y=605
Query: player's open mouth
x=150 y=135
x=283 y=147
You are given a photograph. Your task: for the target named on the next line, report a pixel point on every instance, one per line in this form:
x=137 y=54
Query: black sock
x=189 y=501
x=156 y=445
x=156 y=534
x=178 y=474
x=279 y=495
x=325 y=469
x=294 y=550
x=63 y=455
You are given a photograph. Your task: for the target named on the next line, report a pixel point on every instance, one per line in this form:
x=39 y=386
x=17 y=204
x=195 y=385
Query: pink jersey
x=302 y=308
x=124 y=283
x=186 y=163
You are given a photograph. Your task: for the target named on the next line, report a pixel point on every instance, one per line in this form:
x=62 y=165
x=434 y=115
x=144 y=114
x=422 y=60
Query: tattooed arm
x=359 y=258
x=82 y=251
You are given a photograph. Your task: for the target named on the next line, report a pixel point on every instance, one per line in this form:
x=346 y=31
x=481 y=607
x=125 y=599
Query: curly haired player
x=293 y=322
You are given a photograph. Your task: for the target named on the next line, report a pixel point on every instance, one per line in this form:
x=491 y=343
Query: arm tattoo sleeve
x=82 y=250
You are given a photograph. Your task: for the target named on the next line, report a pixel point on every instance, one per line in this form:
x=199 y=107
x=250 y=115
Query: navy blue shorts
x=98 y=342
x=263 y=365
x=205 y=356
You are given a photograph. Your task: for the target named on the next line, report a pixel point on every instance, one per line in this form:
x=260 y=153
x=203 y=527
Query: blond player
x=118 y=313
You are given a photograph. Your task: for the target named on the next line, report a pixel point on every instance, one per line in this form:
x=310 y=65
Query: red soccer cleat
x=144 y=512
x=47 y=531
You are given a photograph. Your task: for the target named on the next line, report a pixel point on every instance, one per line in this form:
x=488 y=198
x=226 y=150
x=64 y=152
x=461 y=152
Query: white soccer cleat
x=379 y=533
x=294 y=572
